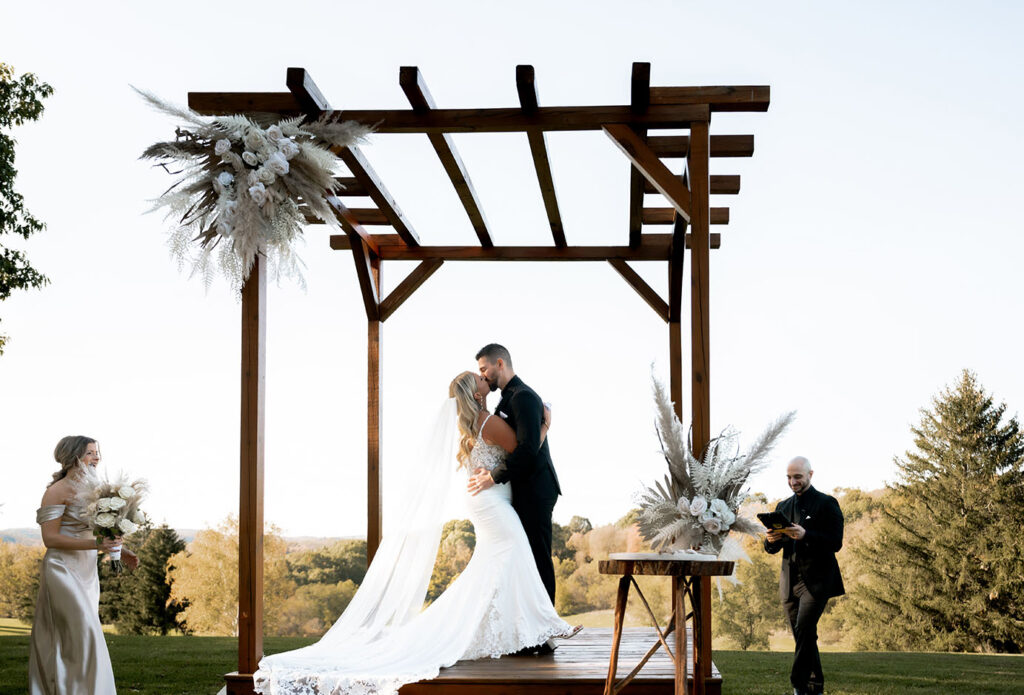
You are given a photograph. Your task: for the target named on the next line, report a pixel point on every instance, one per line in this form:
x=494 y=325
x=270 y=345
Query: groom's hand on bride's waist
x=479 y=481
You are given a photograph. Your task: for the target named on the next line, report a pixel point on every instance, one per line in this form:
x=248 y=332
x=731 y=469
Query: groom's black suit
x=531 y=473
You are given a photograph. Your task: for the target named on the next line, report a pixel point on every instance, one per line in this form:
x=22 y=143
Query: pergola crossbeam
x=721 y=184
x=526 y=86
x=678 y=146
x=730 y=98
x=668 y=215
x=415 y=87
x=653 y=247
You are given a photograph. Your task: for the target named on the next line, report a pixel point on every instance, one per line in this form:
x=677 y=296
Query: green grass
x=177 y=665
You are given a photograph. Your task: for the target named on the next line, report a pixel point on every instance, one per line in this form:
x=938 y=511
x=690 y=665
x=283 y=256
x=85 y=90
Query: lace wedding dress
x=497 y=606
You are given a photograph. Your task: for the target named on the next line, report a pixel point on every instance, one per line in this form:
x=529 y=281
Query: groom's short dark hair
x=493 y=352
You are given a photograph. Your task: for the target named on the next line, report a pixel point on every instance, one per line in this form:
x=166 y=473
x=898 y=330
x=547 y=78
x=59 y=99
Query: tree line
x=935 y=561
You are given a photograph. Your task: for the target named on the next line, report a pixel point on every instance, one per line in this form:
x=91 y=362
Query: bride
x=497 y=606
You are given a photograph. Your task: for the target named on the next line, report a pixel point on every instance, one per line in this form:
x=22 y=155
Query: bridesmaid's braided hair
x=462 y=388
x=68 y=453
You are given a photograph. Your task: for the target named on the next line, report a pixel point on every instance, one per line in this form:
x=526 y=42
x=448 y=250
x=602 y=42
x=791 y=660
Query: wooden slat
x=724 y=98
x=728 y=184
x=639 y=100
x=250 y=503
x=361 y=169
x=646 y=292
x=668 y=215
x=311 y=100
x=406 y=288
x=415 y=87
x=547 y=118
x=654 y=247
x=526 y=86
x=721 y=145
x=226 y=103
x=365 y=216
x=651 y=167
x=350 y=187
x=351 y=225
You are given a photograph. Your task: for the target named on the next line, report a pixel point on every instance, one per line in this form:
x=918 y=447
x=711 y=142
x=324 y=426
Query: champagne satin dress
x=68 y=652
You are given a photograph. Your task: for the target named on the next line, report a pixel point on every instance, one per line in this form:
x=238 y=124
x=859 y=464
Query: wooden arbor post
x=250 y=501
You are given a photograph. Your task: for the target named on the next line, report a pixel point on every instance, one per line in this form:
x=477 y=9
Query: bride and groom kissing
x=503 y=601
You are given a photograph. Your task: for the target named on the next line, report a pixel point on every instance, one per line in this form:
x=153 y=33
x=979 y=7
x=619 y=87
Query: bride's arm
x=496 y=431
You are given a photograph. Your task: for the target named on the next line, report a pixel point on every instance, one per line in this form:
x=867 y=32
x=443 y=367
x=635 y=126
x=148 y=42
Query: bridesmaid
x=68 y=653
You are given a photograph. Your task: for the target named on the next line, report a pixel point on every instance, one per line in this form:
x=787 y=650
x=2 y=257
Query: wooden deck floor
x=578 y=667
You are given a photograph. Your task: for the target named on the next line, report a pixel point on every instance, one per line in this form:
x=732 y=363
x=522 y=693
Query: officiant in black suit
x=810 y=573
x=528 y=468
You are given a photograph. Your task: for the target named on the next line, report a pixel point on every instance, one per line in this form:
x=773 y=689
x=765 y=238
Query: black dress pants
x=804 y=611
x=536 y=518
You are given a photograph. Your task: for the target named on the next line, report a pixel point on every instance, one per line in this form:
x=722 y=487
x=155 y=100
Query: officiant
x=810 y=573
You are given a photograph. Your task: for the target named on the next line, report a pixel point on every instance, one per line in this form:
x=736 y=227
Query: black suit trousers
x=536 y=518
x=804 y=611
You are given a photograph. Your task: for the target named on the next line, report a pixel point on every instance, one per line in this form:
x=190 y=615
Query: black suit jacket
x=816 y=551
x=528 y=468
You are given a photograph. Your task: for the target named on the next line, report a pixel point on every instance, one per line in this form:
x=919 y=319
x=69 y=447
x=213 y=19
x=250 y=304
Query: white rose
x=103 y=505
x=274 y=133
x=722 y=511
x=250 y=158
x=140 y=518
x=712 y=525
x=698 y=506
x=127 y=526
x=229 y=208
x=277 y=164
x=289 y=149
x=225 y=178
x=105 y=520
x=258 y=193
x=254 y=139
x=221 y=146
x=683 y=505
x=126 y=492
x=116 y=503
x=265 y=175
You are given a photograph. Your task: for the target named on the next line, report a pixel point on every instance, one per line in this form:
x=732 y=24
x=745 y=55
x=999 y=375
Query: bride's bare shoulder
x=56 y=493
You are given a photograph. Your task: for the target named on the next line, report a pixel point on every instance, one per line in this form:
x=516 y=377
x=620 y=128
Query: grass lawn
x=193 y=666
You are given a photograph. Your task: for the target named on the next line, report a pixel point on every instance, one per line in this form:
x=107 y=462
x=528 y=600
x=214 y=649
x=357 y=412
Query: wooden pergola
x=365 y=202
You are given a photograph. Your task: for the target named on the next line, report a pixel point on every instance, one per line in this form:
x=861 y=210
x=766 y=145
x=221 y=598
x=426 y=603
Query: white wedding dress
x=497 y=606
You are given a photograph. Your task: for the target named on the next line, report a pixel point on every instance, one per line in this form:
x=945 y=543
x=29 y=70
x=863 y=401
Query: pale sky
x=873 y=251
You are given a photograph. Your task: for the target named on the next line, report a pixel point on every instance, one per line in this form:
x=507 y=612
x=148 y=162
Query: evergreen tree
x=750 y=611
x=146 y=605
x=945 y=566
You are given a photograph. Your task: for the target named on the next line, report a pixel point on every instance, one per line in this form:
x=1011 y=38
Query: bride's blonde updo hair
x=462 y=389
x=68 y=452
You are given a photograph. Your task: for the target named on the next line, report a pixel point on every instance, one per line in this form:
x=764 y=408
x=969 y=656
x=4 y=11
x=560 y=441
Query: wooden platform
x=578 y=667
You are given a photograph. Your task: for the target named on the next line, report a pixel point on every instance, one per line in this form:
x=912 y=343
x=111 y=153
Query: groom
x=528 y=468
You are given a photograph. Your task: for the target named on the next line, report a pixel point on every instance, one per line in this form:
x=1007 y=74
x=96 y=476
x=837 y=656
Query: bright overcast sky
x=873 y=252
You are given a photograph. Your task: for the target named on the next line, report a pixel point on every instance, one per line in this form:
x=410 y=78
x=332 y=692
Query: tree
x=343 y=561
x=19 y=580
x=20 y=101
x=750 y=611
x=945 y=567
x=458 y=539
x=313 y=608
x=204 y=579
x=147 y=606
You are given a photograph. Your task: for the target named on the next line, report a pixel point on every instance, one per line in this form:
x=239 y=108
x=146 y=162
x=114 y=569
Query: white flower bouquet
x=698 y=504
x=112 y=507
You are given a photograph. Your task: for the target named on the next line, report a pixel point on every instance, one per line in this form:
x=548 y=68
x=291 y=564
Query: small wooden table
x=690 y=577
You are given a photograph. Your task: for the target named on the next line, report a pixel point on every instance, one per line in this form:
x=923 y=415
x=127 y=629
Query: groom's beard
x=493 y=386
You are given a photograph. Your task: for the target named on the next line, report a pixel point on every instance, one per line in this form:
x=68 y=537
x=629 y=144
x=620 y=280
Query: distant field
x=194 y=665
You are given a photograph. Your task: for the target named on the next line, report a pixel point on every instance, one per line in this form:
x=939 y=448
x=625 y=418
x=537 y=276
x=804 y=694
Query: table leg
x=701 y=597
x=620 y=614
x=679 y=618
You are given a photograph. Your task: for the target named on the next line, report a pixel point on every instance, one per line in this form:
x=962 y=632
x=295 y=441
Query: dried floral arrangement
x=240 y=183
x=698 y=504
x=112 y=507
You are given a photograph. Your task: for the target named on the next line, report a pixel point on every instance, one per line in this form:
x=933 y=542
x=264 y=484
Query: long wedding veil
x=396 y=582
